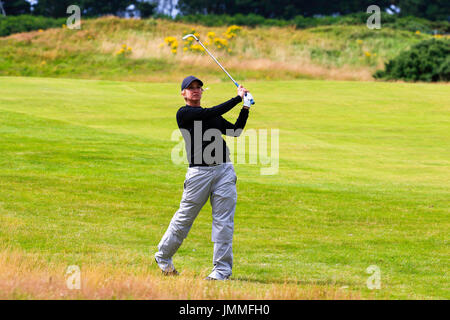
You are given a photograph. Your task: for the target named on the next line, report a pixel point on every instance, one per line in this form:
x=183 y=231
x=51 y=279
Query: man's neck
x=192 y=103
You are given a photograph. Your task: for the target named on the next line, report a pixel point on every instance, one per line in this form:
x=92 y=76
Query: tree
x=57 y=8
x=429 y=9
x=2 y=11
x=103 y=7
x=146 y=8
x=286 y=9
x=15 y=7
x=52 y=8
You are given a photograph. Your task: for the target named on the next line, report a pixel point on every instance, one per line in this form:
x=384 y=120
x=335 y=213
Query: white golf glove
x=248 y=100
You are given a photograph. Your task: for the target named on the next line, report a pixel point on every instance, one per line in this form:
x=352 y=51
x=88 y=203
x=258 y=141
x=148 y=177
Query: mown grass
x=86 y=178
x=328 y=52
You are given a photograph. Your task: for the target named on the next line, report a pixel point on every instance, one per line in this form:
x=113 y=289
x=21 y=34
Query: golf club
x=248 y=96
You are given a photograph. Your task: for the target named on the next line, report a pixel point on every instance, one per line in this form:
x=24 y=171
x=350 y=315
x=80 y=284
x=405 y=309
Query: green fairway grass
x=86 y=177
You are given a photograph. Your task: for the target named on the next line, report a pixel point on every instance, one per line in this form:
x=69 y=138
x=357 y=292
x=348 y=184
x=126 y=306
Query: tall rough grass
x=25 y=276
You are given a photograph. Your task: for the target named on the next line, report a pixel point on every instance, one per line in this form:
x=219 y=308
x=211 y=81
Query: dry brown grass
x=27 y=276
x=256 y=51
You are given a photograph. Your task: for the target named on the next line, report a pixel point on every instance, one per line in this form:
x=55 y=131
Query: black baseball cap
x=188 y=80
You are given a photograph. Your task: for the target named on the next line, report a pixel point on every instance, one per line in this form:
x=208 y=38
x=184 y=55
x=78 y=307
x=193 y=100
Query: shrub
x=413 y=24
x=24 y=23
x=300 y=22
x=426 y=61
x=213 y=20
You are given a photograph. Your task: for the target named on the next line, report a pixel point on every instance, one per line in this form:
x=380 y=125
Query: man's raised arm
x=235 y=130
x=196 y=113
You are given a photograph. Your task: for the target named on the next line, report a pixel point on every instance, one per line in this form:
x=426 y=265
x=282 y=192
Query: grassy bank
x=339 y=52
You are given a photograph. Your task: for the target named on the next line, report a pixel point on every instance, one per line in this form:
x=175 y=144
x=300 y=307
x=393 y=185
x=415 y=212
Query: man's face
x=193 y=92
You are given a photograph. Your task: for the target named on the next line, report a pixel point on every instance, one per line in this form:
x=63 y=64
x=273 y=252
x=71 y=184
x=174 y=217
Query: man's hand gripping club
x=246 y=96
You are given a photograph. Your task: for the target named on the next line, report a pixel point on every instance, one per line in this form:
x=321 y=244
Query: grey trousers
x=219 y=184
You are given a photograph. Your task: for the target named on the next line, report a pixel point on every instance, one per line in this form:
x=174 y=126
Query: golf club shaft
x=248 y=98
x=234 y=81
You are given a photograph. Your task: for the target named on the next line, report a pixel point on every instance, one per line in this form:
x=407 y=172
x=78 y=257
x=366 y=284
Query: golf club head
x=190 y=35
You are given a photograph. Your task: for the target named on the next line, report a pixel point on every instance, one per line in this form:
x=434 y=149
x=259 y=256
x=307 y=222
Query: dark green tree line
x=281 y=9
x=431 y=9
x=58 y=8
x=287 y=9
x=16 y=7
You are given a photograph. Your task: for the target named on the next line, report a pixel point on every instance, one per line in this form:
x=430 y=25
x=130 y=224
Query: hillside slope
x=94 y=52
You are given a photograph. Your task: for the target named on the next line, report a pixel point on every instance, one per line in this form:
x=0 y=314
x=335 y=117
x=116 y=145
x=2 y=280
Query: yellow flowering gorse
x=124 y=51
x=211 y=39
x=232 y=31
x=172 y=43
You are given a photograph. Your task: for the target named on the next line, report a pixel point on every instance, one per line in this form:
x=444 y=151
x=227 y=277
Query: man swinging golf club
x=210 y=175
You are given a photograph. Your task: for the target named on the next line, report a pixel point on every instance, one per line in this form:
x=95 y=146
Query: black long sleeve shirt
x=191 y=118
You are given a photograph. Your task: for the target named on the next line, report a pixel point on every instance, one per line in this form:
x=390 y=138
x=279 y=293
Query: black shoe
x=170 y=273
x=208 y=278
x=174 y=272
